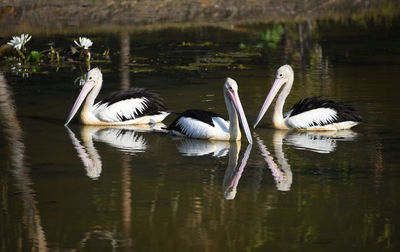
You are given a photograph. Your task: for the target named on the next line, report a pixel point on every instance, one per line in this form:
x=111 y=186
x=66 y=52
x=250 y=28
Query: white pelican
x=310 y=113
x=132 y=106
x=209 y=125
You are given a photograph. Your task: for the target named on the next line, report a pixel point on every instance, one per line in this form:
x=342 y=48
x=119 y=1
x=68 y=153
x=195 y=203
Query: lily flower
x=19 y=42
x=84 y=43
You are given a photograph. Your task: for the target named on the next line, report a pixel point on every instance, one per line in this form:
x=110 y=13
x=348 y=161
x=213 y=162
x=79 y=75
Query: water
x=90 y=188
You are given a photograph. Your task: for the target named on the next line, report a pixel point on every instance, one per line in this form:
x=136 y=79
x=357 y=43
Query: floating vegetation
x=20 y=60
x=228 y=60
x=192 y=44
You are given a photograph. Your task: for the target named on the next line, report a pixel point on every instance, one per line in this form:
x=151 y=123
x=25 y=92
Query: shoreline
x=72 y=16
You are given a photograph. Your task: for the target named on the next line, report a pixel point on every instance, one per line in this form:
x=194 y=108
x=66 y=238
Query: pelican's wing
x=316 y=112
x=311 y=118
x=128 y=105
x=195 y=124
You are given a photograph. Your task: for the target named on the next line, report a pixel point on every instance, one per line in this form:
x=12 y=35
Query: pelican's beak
x=238 y=106
x=278 y=83
x=82 y=95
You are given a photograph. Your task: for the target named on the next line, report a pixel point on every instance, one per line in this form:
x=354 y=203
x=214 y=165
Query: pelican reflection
x=201 y=147
x=233 y=172
x=320 y=142
x=281 y=172
x=124 y=138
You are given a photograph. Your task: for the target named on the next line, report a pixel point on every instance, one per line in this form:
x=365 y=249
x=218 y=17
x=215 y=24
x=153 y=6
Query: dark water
x=88 y=188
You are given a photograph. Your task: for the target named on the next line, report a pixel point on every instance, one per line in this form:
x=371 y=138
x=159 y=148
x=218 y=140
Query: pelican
x=132 y=106
x=310 y=113
x=209 y=125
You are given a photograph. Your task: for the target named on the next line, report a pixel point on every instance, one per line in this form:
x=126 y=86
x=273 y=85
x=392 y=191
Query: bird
x=126 y=107
x=313 y=113
x=202 y=124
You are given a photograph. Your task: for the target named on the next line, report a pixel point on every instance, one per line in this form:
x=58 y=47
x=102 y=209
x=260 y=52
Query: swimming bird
x=311 y=113
x=209 y=125
x=131 y=106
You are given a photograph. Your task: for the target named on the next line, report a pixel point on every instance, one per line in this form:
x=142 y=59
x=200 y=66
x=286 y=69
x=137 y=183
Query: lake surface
x=136 y=188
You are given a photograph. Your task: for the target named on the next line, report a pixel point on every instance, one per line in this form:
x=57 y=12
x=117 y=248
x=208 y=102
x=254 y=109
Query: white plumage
x=320 y=116
x=130 y=108
x=194 y=128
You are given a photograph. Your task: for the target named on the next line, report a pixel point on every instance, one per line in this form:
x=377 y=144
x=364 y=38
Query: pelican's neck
x=277 y=117
x=87 y=115
x=234 y=129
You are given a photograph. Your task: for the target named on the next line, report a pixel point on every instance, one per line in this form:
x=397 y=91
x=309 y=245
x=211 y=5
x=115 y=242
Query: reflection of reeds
x=13 y=132
x=124 y=60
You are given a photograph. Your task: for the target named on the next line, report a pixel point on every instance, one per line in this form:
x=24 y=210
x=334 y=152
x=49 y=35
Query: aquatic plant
x=19 y=61
x=271 y=37
x=53 y=55
x=267 y=39
x=18 y=43
x=84 y=44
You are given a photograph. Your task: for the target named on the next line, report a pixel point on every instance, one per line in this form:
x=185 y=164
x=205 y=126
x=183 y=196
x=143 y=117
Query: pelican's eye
x=280 y=75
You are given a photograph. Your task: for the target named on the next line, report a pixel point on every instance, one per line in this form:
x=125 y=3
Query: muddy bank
x=52 y=16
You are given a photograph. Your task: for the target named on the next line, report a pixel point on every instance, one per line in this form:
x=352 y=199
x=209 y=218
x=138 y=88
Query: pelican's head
x=231 y=93
x=230 y=85
x=93 y=78
x=284 y=75
x=94 y=75
x=285 y=72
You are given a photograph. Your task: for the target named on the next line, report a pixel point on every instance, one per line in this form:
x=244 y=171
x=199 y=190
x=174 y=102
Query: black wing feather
x=153 y=106
x=344 y=111
x=201 y=115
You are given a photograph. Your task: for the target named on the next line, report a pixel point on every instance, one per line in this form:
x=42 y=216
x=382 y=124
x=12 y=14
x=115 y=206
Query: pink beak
x=238 y=106
x=278 y=83
x=81 y=97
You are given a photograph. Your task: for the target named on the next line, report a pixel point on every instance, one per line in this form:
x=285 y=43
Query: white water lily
x=84 y=43
x=19 y=42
